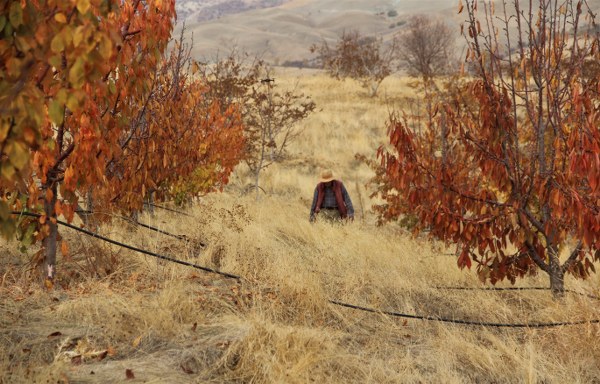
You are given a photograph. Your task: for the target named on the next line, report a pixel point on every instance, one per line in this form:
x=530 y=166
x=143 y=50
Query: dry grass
x=114 y=310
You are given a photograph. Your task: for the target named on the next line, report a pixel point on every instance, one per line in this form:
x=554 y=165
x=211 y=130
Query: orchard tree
x=91 y=106
x=366 y=59
x=181 y=142
x=272 y=123
x=69 y=73
x=270 y=116
x=426 y=48
x=516 y=180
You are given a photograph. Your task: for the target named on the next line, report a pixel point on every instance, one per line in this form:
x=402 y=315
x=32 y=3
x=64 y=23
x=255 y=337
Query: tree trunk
x=90 y=221
x=256 y=179
x=557 y=275
x=150 y=204
x=50 y=242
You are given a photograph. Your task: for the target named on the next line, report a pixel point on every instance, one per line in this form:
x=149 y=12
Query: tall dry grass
x=114 y=310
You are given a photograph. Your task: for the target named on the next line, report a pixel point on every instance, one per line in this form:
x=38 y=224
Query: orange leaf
x=64 y=248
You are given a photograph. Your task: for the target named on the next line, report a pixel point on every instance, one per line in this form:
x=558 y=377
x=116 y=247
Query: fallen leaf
x=102 y=355
x=76 y=360
x=194 y=326
x=186 y=369
x=111 y=351
x=129 y=374
x=55 y=334
x=137 y=341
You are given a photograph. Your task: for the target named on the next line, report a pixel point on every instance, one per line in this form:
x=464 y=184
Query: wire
x=464 y=322
x=130 y=247
x=515 y=289
x=169 y=209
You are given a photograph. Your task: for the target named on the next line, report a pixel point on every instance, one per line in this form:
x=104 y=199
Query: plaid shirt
x=330 y=202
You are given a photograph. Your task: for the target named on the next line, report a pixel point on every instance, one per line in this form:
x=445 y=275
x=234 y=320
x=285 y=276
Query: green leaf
x=2 y=22
x=27 y=238
x=7 y=171
x=18 y=154
x=56 y=111
x=78 y=35
x=55 y=61
x=112 y=88
x=74 y=100
x=58 y=44
x=77 y=72
x=15 y=14
x=61 y=96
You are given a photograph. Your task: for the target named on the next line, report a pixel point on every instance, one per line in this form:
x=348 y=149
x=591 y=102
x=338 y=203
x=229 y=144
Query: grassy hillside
x=286 y=32
x=115 y=313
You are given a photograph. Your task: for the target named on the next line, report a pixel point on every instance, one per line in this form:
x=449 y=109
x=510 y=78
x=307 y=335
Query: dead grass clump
x=267 y=352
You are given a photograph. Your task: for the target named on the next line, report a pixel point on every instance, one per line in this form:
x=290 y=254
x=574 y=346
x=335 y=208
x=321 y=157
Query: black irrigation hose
x=149 y=253
x=335 y=302
x=588 y=295
x=131 y=221
x=465 y=322
x=179 y=237
x=169 y=209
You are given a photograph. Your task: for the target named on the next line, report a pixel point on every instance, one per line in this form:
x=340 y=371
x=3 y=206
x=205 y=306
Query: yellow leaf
x=60 y=17
x=105 y=47
x=77 y=72
x=18 y=154
x=83 y=6
x=137 y=341
x=78 y=35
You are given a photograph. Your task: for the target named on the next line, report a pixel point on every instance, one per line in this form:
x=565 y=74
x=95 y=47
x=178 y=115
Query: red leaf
x=129 y=374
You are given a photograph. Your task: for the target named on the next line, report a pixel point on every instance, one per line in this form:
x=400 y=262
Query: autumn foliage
x=509 y=169
x=92 y=108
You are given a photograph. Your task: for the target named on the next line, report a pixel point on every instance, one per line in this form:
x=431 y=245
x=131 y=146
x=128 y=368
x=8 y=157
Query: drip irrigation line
x=335 y=302
x=465 y=322
x=132 y=221
x=588 y=295
x=130 y=247
x=135 y=222
x=179 y=237
x=169 y=209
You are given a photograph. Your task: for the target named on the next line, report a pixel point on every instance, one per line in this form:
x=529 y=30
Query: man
x=331 y=200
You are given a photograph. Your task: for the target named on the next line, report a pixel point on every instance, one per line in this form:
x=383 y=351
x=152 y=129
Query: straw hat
x=326 y=176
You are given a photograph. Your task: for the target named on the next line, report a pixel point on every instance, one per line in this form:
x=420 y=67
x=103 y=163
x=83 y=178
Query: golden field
x=118 y=316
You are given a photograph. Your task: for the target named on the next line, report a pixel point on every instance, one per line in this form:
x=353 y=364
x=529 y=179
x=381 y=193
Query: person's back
x=331 y=200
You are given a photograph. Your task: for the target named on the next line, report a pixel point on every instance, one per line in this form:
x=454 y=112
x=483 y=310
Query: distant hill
x=281 y=31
